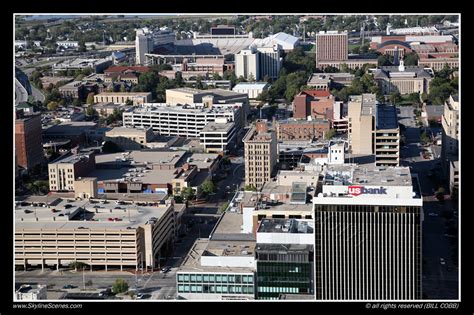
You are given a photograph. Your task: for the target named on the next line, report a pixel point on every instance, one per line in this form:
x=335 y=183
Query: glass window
x=219 y=288
x=212 y=278
x=206 y=278
x=180 y=277
x=186 y=288
x=199 y=278
x=186 y=277
x=212 y=288
x=224 y=289
x=181 y=288
x=218 y=278
x=193 y=288
x=193 y=278
x=231 y=279
x=224 y=278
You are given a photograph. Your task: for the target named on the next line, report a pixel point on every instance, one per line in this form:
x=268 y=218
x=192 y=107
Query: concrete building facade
x=62 y=173
x=130 y=138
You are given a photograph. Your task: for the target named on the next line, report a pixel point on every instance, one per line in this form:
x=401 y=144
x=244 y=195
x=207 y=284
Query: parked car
x=69 y=286
x=165 y=269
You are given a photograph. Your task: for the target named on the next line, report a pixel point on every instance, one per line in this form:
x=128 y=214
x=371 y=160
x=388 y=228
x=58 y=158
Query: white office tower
x=368 y=229
x=247 y=63
x=269 y=61
x=143 y=44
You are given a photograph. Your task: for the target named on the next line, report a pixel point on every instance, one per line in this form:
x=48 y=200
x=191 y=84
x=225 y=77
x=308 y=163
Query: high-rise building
x=247 y=63
x=450 y=142
x=373 y=129
x=260 y=154
x=143 y=45
x=28 y=142
x=361 y=113
x=368 y=231
x=269 y=61
x=331 y=46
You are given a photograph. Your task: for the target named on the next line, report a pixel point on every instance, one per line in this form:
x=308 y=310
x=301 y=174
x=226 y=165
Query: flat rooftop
x=367 y=174
x=124 y=94
x=127 y=131
x=141 y=157
x=127 y=174
x=74 y=158
x=72 y=214
x=194 y=108
x=203 y=160
x=286 y=226
x=69 y=128
x=218 y=127
x=205 y=247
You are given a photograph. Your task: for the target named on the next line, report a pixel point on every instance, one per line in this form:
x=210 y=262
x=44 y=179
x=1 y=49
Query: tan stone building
x=260 y=154
x=64 y=172
x=450 y=123
x=361 y=113
x=405 y=80
x=373 y=130
x=122 y=97
x=85 y=187
x=130 y=138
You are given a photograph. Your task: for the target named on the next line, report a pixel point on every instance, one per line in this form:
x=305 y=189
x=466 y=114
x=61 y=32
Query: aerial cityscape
x=236 y=157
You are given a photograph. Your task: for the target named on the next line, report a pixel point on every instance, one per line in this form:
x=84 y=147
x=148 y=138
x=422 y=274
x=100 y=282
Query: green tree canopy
x=119 y=286
x=208 y=187
x=53 y=105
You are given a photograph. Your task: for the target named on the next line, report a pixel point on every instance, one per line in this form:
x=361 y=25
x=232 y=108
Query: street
x=440 y=281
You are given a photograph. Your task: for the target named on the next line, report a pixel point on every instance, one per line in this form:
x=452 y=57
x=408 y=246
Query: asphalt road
x=439 y=281
x=21 y=95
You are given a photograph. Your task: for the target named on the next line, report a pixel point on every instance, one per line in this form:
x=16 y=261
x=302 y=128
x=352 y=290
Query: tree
x=52 y=106
x=208 y=187
x=251 y=78
x=384 y=60
x=120 y=286
x=188 y=193
x=395 y=98
x=223 y=207
x=250 y=188
x=90 y=111
x=330 y=134
x=77 y=102
x=411 y=59
x=424 y=138
x=90 y=98
x=77 y=265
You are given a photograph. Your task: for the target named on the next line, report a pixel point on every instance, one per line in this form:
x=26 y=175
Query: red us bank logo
x=357 y=190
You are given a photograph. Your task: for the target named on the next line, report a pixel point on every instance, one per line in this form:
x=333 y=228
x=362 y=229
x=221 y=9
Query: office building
x=28 y=142
x=314 y=104
x=130 y=138
x=368 y=234
x=331 y=46
x=450 y=140
x=260 y=154
x=298 y=129
x=182 y=96
x=269 y=61
x=284 y=257
x=454 y=177
x=182 y=120
x=221 y=267
x=136 y=98
x=109 y=236
x=63 y=172
x=247 y=64
x=218 y=136
x=374 y=130
x=387 y=136
x=405 y=80
x=361 y=115
x=73 y=89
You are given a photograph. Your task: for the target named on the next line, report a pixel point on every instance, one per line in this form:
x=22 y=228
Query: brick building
x=28 y=145
x=317 y=104
x=301 y=129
